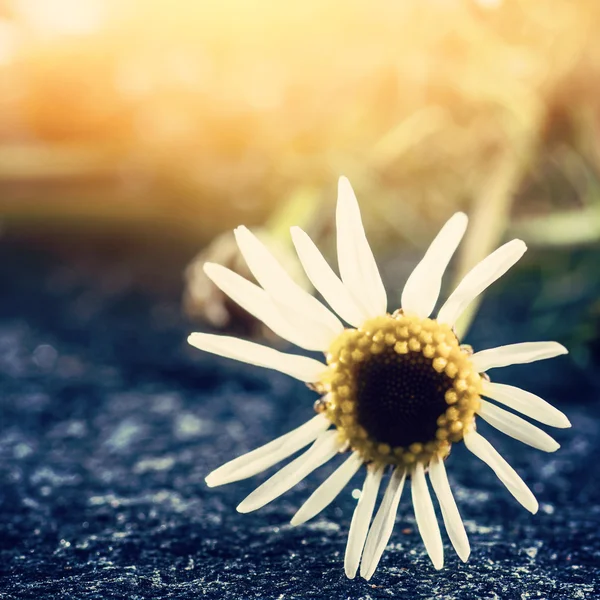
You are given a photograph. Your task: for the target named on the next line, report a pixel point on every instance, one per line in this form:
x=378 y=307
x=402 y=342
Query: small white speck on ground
x=22 y=451
x=188 y=426
x=154 y=464
x=124 y=434
x=531 y=552
x=547 y=508
x=324 y=526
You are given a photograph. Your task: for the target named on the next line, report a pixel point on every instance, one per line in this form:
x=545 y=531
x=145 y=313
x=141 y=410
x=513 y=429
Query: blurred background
x=135 y=134
x=159 y=126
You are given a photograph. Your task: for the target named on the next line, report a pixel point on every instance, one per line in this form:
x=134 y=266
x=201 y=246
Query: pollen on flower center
x=401 y=389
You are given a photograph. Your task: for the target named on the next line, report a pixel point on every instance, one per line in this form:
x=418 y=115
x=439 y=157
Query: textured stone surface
x=109 y=424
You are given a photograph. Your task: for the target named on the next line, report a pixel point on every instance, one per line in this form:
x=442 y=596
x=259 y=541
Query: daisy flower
x=397 y=389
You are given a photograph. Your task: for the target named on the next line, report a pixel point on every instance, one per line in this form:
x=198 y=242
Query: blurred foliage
x=192 y=117
x=208 y=114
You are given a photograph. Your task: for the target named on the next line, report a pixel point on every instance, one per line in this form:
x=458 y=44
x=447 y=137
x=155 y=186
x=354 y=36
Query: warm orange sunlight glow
x=205 y=114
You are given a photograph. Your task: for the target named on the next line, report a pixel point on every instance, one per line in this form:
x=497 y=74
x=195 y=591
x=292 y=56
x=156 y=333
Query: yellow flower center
x=400 y=389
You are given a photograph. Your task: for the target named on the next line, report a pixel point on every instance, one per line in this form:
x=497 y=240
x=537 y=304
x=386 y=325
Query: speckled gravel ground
x=109 y=424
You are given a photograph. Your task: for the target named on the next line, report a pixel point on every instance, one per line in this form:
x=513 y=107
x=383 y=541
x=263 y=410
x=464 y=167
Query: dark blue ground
x=109 y=423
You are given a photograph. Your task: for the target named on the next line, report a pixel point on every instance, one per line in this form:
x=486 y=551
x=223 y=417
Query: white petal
x=356 y=261
x=422 y=289
x=425 y=516
x=479 y=278
x=481 y=448
x=295 y=304
x=516 y=427
x=361 y=519
x=258 y=303
x=326 y=282
x=326 y=493
x=302 y=368
x=452 y=519
x=383 y=524
x=266 y=456
x=526 y=403
x=325 y=448
x=516 y=354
